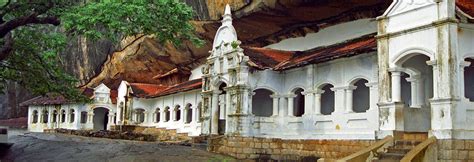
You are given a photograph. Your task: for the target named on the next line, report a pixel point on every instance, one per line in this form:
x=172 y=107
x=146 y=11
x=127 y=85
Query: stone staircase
x=400 y=147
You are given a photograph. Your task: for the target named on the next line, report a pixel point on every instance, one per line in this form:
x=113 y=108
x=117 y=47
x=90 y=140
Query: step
x=398 y=150
x=386 y=160
x=407 y=142
x=395 y=156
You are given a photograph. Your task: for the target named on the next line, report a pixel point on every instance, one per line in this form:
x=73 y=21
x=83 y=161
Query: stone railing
x=363 y=154
x=418 y=153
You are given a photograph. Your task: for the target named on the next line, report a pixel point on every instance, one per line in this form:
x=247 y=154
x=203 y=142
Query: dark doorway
x=100 y=119
x=221 y=110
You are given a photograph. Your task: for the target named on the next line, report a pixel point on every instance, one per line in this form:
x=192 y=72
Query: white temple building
x=407 y=71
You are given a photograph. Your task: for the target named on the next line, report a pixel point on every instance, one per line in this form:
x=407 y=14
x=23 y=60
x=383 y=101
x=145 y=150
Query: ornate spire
x=227 y=17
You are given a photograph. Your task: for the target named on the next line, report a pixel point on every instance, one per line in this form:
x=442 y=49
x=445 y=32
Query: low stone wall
x=454 y=150
x=279 y=149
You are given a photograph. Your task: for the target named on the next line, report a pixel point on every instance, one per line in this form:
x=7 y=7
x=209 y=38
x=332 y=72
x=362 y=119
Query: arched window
x=327 y=100
x=63 y=116
x=298 y=103
x=157 y=115
x=468 y=80
x=262 y=103
x=189 y=113
x=83 y=117
x=35 y=116
x=177 y=111
x=140 y=115
x=167 y=114
x=72 y=116
x=360 y=96
x=45 y=116
x=55 y=116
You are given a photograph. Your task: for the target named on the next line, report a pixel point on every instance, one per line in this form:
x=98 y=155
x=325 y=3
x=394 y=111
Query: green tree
x=34 y=33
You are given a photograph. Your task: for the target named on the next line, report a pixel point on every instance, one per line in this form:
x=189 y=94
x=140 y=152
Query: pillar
x=308 y=102
x=349 y=98
x=317 y=102
x=291 y=99
x=396 y=86
x=339 y=103
x=215 y=112
x=416 y=91
x=275 y=104
x=185 y=114
x=282 y=104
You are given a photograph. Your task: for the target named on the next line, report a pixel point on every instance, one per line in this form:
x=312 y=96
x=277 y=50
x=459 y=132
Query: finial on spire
x=227 y=10
x=227 y=17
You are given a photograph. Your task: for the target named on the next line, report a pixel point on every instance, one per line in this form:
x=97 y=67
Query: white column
x=317 y=102
x=349 y=98
x=282 y=104
x=275 y=104
x=339 y=103
x=416 y=91
x=215 y=112
x=194 y=114
x=291 y=99
x=308 y=102
x=396 y=86
x=185 y=114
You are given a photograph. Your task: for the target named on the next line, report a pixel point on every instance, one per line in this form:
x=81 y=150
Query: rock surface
x=258 y=23
x=57 y=147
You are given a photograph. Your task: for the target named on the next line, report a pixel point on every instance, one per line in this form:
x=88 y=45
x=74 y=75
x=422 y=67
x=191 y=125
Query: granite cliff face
x=258 y=23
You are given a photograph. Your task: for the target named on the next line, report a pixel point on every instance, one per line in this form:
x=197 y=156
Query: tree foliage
x=34 y=33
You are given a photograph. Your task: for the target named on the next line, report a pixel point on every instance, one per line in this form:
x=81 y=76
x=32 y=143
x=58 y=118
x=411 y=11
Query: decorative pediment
x=401 y=6
x=226 y=35
x=102 y=88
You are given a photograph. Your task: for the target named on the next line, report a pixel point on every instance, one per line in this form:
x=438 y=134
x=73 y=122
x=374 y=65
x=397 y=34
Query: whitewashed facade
x=417 y=80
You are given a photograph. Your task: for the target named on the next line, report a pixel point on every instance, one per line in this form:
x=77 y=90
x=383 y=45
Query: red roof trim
x=144 y=90
x=467 y=6
x=182 y=87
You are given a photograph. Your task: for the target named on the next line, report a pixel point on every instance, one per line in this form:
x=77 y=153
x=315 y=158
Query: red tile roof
x=467 y=6
x=283 y=60
x=144 y=90
x=181 y=87
x=45 y=100
x=264 y=58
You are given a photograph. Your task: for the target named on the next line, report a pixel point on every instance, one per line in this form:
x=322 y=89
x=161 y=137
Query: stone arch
x=55 y=116
x=298 y=101
x=360 y=95
x=262 y=102
x=406 y=54
x=157 y=115
x=416 y=79
x=84 y=117
x=35 y=116
x=100 y=119
x=189 y=113
x=45 y=116
x=216 y=82
x=467 y=66
x=63 y=115
x=140 y=115
x=177 y=112
x=327 y=100
x=357 y=78
x=167 y=114
x=72 y=115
